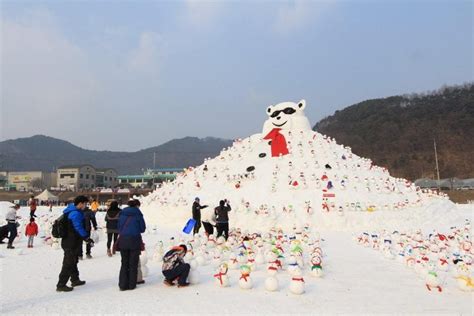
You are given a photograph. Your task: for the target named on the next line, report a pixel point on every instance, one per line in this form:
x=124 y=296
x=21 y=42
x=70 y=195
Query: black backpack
x=59 y=229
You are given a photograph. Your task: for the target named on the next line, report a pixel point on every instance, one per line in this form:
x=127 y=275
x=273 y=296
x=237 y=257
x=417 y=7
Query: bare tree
x=36 y=183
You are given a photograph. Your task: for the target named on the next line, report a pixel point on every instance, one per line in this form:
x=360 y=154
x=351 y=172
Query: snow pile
x=318 y=183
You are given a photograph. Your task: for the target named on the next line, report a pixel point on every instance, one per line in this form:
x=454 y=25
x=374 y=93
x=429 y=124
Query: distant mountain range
x=398 y=132
x=47 y=153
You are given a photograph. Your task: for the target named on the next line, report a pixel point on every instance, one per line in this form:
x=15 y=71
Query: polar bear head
x=287 y=116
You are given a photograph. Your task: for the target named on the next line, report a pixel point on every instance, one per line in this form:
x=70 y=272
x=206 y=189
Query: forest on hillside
x=399 y=132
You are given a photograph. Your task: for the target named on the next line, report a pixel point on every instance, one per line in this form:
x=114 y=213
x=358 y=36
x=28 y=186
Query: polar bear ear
x=302 y=105
x=269 y=110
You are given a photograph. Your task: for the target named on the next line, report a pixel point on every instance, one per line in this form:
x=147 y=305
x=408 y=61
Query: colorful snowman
x=222 y=279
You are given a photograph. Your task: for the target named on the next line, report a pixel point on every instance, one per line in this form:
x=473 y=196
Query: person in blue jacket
x=130 y=225
x=72 y=244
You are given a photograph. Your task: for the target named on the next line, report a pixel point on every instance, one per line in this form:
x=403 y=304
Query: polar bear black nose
x=278 y=117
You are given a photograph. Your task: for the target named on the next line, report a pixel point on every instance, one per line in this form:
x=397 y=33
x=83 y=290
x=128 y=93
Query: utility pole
x=153 y=173
x=436 y=158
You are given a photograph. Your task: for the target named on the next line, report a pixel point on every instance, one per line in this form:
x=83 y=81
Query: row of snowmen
x=280 y=255
x=430 y=256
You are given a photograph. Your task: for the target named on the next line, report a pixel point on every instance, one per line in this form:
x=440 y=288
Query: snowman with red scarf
x=222 y=279
x=297 y=283
x=282 y=119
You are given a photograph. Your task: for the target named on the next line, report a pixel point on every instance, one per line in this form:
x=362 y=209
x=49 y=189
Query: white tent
x=47 y=196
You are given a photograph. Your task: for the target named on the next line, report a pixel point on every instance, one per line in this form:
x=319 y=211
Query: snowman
x=245 y=281
x=222 y=279
x=233 y=263
x=443 y=263
x=259 y=259
x=297 y=286
x=251 y=261
x=431 y=278
x=316 y=268
x=271 y=282
x=143 y=263
x=194 y=274
x=292 y=265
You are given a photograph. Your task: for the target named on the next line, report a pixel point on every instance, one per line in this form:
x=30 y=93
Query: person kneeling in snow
x=174 y=266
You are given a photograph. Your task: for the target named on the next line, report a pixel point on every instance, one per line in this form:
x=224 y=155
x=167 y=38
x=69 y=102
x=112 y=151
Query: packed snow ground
x=356 y=280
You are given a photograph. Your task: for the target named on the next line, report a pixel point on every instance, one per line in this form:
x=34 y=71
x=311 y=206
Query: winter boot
x=184 y=284
x=10 y=246
x=109 y=253
x=77 y=283
x=168 y=282
x=88 y=256
x=64 y=288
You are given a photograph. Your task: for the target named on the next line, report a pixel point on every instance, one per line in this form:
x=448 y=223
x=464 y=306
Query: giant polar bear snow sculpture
x=284 y=117
x=287 y=116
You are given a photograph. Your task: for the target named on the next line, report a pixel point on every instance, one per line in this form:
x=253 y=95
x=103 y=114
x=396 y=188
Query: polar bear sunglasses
x=286 y=111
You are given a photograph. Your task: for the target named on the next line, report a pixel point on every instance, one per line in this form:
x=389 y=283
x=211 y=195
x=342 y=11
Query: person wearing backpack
x=90 y=222
x=111 y=220
x=130 y=225
x=71 y=243
x=174 y=267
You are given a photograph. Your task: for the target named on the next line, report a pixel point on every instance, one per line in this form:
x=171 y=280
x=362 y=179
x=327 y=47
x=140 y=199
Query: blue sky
x=134 y=74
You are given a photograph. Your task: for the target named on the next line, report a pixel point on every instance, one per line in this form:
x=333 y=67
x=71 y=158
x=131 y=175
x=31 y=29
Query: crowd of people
x=124 y=234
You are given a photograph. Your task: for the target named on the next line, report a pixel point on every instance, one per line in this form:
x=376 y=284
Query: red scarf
x=244 y=276
x=219 y=275
x=278 y=143
x=278 y=263
x=298 y=279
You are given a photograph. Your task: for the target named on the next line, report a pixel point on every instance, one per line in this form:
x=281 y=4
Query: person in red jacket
x=31 y=231
x=33 y=203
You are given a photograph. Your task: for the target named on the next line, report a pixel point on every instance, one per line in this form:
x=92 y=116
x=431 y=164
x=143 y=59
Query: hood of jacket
x=71 y=207
x=130 y=211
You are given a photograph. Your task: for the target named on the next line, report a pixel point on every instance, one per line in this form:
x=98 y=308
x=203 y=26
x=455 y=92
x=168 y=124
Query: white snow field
x=319 y=189
x=356 y=280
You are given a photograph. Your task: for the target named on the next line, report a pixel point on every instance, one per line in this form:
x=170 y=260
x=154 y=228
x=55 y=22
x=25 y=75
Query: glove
x=89 y=242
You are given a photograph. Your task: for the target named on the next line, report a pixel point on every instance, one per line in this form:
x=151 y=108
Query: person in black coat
x=222 y=218
x=89 y=223
x=3 y=233
x=197 y=214
x=111 y=220
x=72 y=244
x=131 y=225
